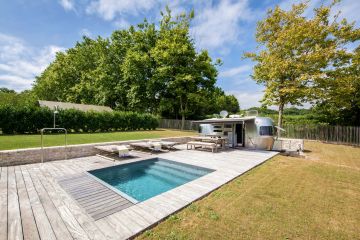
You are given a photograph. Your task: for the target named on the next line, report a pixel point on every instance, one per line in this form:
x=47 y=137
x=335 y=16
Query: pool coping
x=128 y=197
x=145 y=214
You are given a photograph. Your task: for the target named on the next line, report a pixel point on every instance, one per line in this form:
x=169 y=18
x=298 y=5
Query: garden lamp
x=55 y=112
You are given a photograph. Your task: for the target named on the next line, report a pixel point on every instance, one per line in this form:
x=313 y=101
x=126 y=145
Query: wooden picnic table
x=217 y=140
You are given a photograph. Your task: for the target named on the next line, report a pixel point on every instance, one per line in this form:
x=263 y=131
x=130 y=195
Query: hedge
x=31 y=119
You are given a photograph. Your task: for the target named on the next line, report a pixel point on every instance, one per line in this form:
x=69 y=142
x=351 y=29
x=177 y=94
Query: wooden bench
x=202 y=144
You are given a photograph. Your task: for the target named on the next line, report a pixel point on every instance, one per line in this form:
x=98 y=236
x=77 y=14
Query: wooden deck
x=34 y=205
x=97 y=199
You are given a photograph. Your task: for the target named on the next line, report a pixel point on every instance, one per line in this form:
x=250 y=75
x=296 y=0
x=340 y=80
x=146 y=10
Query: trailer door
x=239 y=134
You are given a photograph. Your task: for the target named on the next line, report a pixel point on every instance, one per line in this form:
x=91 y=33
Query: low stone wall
x=33 y=155
x=288 y=144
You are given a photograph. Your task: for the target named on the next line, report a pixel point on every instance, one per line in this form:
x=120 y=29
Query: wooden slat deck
x=98 y=200
x=56 y=200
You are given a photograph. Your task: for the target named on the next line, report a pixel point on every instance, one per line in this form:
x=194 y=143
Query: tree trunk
x=182 y=121
x=280 y=118
x=182 y=114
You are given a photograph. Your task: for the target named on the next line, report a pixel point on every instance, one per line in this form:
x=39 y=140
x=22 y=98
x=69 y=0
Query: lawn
x=285 y=198
x=28 y=141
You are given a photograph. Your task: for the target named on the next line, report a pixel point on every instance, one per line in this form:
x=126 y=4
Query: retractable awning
x=225 y=120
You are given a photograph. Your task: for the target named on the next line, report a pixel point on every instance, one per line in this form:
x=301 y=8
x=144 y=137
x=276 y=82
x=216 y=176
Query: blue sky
x=31 y=32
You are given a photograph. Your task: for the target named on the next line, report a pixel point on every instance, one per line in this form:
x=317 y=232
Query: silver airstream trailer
x=250 y=131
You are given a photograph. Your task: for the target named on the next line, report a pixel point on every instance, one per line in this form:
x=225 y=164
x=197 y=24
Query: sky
x=31 y=32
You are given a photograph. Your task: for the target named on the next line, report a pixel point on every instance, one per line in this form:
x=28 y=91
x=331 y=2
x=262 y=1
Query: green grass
x=28 y=141
x=285 y=198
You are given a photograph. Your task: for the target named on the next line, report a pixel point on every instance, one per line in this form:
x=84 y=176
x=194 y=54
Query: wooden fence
x=176 y=124
x=333 y=134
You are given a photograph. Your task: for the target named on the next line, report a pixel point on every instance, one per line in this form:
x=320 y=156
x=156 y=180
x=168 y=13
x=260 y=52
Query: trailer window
x=266 y=131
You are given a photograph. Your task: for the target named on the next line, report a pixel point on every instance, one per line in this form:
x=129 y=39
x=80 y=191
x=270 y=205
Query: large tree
x=143 y=68
x=340 y=101
x=295 y=52
x=183 y=71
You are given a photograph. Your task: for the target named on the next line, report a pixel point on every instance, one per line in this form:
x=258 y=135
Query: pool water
x=148 y=178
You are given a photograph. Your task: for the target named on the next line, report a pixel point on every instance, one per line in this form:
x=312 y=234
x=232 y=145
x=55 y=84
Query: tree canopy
x=298 y=53
x=143 y=68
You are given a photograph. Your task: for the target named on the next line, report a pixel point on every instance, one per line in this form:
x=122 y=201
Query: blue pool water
x=145 y=179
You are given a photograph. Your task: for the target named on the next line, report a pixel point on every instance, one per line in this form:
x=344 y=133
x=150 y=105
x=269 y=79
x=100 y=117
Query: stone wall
x=33 y=155
x=288 y=144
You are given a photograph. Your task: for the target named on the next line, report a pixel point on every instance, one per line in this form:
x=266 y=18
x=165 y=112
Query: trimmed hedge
x=30 y=119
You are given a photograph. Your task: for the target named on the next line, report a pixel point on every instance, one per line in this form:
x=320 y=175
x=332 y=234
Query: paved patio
x=33 y=205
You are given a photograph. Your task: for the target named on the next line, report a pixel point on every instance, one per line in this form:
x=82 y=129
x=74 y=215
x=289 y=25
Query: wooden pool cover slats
x=97 y=199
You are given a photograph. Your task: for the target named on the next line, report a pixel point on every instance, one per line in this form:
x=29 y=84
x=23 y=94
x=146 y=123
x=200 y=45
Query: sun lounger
x=168 y=144
x=196 y=144
x=153 y=146
x=122 y=150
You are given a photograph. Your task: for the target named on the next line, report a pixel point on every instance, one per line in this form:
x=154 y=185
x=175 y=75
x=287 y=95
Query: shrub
x=30 y=119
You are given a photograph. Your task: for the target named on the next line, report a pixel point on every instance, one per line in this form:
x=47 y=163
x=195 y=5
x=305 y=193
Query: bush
x=30 y=119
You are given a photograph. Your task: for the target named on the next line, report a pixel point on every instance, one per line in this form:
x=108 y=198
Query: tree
x=295 y=53
x=6 y=90
x=142 y=90
x=184 y=72
x=11 y=98
x=142 y=68
x=340 y=103
x=82 y=74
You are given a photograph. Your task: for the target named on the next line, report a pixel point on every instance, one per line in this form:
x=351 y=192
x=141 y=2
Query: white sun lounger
x=150 y=145
x=122 y=150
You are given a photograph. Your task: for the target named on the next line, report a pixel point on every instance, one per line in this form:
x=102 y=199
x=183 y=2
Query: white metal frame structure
x=42 y=141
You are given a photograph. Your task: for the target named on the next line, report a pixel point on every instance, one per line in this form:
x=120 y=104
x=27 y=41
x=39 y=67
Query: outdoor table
x=216 y=140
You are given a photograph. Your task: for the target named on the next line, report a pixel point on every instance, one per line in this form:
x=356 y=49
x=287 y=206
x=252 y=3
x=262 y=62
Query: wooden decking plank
x=64 y=168
x=3 y=203
x=14 y=217
x=145 y=214
x=90 y=194
x=72 y=177
x=56 y=221
x=139 y=219
x=79 y=192
x=73 y=226
x=104 y=207
x=133 y=226
x=85 y=221
x=96 y=203
x=111 y=211
x=117 y=224
x=82 y=185
x=29 y=227
x=81 y=189
x=42 y=221
x=96 y=199
x=109 y=231
x=75 y=181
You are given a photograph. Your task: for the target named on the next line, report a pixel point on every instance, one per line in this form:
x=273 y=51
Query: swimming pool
x=148 y=178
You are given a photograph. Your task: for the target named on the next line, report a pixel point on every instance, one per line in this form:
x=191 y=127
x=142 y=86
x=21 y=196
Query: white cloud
x=349 y=9
x=109 y=9
x=217 y=26
x=236 y=71
x=67 y=4
x=247 y=99
x=20 y=63
x=85 y=32
x=287 y=5
x=122 y=23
